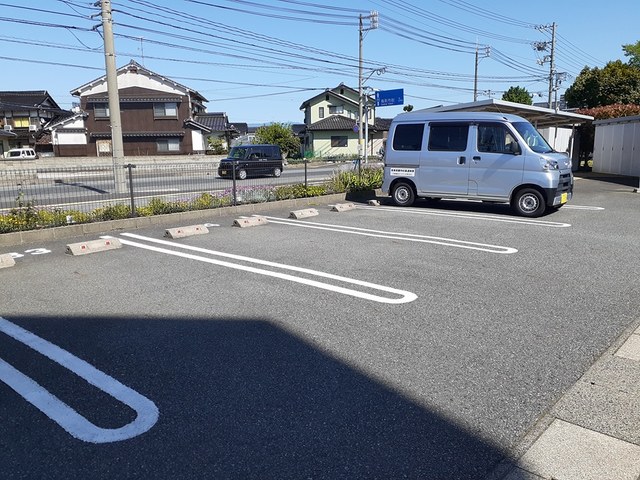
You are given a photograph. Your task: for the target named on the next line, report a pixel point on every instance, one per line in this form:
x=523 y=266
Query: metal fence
x=59 y=195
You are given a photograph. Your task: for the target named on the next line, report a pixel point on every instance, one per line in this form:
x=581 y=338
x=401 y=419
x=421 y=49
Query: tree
x=633 y=51
x=407 y=108
x=517 y=95
x=216 y=146
x=279 y=134
x=616 y=82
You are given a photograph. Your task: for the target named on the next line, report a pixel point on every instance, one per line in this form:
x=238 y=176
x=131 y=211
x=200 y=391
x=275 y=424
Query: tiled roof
x=217 y=122
x=25 y=99
x=334 y=122
x=298 y=128
x=382 y=123
x=242 y=128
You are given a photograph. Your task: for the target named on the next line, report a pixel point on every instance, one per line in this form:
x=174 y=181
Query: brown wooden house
x=156 y=114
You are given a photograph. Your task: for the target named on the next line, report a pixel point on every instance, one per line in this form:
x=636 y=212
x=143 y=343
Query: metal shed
x=616 y=147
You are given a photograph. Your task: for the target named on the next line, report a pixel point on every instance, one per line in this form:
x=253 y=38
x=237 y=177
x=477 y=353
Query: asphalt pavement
x=446 y=342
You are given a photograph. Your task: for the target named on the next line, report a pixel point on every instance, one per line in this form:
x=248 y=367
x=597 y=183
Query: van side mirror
x=514 y=148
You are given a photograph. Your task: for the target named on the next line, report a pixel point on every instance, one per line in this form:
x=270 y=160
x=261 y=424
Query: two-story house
x=23 y=114
x=331 y=120
x=157 y=117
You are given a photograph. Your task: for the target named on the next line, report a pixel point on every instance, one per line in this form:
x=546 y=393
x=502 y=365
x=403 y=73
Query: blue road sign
x=386 y=98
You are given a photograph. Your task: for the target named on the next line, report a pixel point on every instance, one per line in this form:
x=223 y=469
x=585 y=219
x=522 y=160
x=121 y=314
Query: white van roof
x=430 y=116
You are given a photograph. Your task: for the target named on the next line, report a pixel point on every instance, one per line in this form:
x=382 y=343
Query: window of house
x=101 y=110
x=168 y=144
x=408 y=136
x=339 y=141
x=321 y=112
x=336 y=109
x=167 y=109
x=20 y=122
x=448 y=137
x=326 y=98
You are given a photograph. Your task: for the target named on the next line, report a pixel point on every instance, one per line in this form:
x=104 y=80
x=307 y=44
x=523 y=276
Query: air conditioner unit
x=33 y=128
x=8 y=128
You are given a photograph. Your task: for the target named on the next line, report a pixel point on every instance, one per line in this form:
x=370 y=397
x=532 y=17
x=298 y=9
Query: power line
x=272 y=15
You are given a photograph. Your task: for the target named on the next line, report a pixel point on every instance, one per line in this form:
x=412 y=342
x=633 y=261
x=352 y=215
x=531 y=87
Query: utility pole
x=117 y=146
x=541 y=47
x=360 y=39
x=373 y=18
x=487 y=53
x=552 y=64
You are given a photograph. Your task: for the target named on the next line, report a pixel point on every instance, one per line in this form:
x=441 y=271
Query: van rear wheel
x=403 y=194
x=529 y=202
x=277 y=172
x=242 y=174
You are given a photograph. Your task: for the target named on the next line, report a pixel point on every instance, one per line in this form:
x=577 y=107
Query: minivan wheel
x=242 y=174
x=277 y=172
x=529 y=202
x=403 y=194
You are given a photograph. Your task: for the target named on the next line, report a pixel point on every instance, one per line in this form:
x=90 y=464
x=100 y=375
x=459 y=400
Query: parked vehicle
x=252 y=160
x=21 y=154
x=472 y=155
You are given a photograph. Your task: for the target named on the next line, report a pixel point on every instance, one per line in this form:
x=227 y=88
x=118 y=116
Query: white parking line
x=409 y=237
x=405 y=297
x=583 y=207
x=474 y=216
x=61 y=413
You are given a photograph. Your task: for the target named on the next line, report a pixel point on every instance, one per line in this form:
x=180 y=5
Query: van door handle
x=462 y=160
x=477 y=158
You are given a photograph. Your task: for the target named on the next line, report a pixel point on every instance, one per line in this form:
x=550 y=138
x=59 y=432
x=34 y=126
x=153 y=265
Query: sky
x=259 y=60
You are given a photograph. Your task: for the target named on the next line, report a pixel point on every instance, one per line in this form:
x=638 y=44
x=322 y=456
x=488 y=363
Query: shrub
x=111 y=212
x=287 y=192
x=352 y=181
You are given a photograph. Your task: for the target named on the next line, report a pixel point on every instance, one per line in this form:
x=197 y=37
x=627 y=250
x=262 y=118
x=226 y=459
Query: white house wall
x=77 y=123
x=62 y=138
x=322 y=145
x=349 y=110
x=130 y=79
x=198 y=140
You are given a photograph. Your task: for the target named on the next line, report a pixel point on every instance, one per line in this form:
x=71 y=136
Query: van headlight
x=548 y=164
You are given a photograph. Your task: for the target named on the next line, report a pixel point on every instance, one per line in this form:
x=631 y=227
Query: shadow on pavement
x=609 y=178
x=238 y=399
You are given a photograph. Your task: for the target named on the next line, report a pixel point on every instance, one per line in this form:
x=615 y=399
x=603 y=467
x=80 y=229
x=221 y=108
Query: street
x=49 y=187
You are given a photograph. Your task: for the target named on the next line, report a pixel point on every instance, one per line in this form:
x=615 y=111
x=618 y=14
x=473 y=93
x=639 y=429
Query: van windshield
x=532 y=137
x=237 y=152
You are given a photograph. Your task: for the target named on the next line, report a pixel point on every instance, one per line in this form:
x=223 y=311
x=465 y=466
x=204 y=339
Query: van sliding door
x=444 y=167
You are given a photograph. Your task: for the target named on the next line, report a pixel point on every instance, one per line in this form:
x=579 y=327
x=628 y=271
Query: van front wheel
x=529 y=202
x=403 y=194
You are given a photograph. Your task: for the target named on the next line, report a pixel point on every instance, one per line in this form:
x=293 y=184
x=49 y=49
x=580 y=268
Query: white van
x=491 y=157
x=21 y=154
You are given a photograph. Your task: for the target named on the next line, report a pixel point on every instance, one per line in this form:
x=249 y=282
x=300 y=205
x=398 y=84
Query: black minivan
x=252 y=160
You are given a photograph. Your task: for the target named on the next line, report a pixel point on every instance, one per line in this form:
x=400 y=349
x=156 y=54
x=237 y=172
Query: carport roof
x=539 y=116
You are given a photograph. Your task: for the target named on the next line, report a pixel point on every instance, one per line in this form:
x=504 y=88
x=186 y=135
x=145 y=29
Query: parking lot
x=379 y=342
